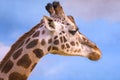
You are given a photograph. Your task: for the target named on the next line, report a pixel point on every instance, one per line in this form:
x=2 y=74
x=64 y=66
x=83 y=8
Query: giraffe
x=57 y=34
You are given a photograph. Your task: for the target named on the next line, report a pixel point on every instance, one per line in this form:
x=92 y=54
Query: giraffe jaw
x=94 y=56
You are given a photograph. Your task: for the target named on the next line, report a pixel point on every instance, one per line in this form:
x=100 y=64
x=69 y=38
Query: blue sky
x=99 y=20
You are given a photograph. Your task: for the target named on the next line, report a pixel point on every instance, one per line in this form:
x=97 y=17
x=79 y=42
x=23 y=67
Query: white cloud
x=92 y=9
x=3 y=50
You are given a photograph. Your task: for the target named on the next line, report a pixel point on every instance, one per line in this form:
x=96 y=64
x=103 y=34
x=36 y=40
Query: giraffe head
x=65 y=36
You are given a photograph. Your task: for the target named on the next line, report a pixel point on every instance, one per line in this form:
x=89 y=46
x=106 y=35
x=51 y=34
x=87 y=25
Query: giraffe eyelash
x=73 y=31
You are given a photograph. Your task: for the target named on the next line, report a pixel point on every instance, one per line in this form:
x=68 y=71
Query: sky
x=99 y=20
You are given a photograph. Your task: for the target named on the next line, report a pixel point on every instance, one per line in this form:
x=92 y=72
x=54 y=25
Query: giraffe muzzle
x=95 y=55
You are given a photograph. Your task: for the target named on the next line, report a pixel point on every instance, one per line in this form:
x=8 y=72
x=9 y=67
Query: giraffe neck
x=24 y=55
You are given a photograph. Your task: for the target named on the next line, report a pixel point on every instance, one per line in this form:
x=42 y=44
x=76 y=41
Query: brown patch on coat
x=24 y=61
x=38 y=52
x=56 y=42
x=50 y=40
x=32 y=44
x=43 y=42
x=7 y=67
x=36 y=34
x=72 y=43
x=49 y=48
x=43 y=32
x=17 y=53
x=27 y=40
x=55 y=37
x=67 y=45
x=61 y=39
x=64 y=39
x=17 y=76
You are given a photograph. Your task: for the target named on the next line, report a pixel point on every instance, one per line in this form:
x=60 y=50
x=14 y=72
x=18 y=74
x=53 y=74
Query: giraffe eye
x=73 y=31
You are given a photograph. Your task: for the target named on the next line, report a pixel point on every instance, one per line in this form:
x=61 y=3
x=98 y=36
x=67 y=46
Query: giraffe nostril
x=94 y=56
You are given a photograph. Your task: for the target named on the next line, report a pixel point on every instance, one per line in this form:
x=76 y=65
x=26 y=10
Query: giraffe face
x=67 y=40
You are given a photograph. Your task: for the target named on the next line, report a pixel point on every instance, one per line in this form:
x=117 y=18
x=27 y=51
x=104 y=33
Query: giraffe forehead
x=62 y=21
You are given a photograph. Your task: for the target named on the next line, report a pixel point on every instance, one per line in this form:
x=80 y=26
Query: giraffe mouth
x=95 y=55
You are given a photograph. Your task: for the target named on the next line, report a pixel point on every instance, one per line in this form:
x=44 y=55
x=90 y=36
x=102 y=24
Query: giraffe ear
x=49 y=23
x=71 y=18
